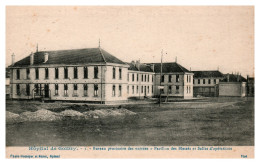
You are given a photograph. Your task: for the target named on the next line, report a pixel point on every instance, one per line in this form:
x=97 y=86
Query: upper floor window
x=198 y=81
x=215 y=81
x=36 y=73
x=190 y=79
x=17 y=74
x=204 y=81
x=128 y=77
x=95 y=72
x=120 y=91
x=56 y=73
x=187 y=78
x=85 y=72
x=193 y=81
x=170 y=78
x=152 y=78
x=65 y=72
x=28 y=73
x=114 y=90
x=152 y=88
x=142 y=77
x=46 y=73
x=162 y=78
x=75 y=72
x=137 y=77
x=209 y=81
x=120 y=73
x=177 y=78
x=95 y=90
x=133 y=77
x=148 y=77
x=145 y=78
x=114 y=72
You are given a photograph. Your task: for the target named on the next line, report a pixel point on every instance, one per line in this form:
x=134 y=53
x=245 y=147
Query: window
x=148 y=77
x=17 y=74
x=36 y=73
x=56 y=89
x=133 y=89
x=170 y=89
x=215 y=81
x=65 y=89
x=85 y=72
x=46 y=73
x=95 y=90
x=148 y=89
x=65 y=72
x=145 y=78
x=56 y=73
x=162 y=78
x=152 y=89
x=193 y=81
x=177 y=89
x=28 y=73
x=114 y=91
x=95 y=72
x=75 y=72
x=170 y=78
x=120 y=73
x=187 y=89
x=114 y=72
x=75 y=90
x=152 y=78
x=190 y=79
x=85 y=90
x=162 y=90
x=198 y=81
x=137 y=77
x=28 y=89
x=142 y=89
x=36 y=89
x=17 y=89
x=177 y=78
x=137 y=89
x=128 y=77
x=209 y=81
x=187 y=78
x=142 y=77
x=127 y=89
x=120 y=91
x=133 y=77
x=204 y=81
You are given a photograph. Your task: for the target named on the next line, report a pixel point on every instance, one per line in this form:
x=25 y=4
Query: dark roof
x=142 y=67
x=169 y=67
x=233 y=78
x=207 y=74
x=75 y=56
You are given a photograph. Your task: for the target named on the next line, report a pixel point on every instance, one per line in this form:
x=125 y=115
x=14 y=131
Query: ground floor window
x=95 y=90
x=75 y=90
x=127 y=89
x=177 y=89
x=85 y=90
x=148 y=89
x=28 y=89
x=137 y=89
x=170 y=89
x=120 y=91
x=142 y=89
x=133 y=89
x=56 y=89
x=17 y=89
x=65 y=89
x=152 y=89
x=36 y=89
x=114 y=91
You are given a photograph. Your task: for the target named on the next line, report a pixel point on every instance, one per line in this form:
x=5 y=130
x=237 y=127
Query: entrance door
x=46 y=90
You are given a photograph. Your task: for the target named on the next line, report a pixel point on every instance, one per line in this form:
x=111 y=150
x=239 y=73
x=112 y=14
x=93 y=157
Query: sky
x=202 y=38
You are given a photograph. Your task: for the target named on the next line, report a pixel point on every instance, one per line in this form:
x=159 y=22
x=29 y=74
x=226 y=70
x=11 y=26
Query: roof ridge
x=102 y=55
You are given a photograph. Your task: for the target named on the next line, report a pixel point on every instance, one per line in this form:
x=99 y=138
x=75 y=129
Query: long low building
x=94 y=75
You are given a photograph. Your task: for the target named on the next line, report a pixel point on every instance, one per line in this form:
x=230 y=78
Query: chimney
x=31 y=58
x=133 y=62
x=138 y=64
x=46 y=56
x=13 y=56
x=228 y=77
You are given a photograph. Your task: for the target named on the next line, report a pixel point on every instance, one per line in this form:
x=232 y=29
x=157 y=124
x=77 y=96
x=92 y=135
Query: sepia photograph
x=157 y=78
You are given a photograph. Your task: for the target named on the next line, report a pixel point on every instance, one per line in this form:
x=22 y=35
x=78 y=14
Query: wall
x=232 y=89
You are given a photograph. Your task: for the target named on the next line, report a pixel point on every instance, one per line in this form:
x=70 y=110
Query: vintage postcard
x=130 y=82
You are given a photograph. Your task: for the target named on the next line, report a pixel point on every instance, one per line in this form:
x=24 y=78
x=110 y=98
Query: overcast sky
x=203 y=38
